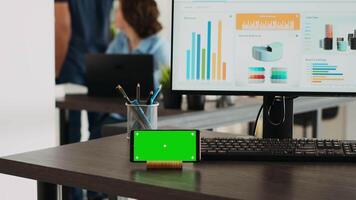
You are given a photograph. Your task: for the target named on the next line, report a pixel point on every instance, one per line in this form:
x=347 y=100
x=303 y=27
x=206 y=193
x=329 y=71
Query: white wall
x=165 y=7
x=26 y=85
x=350 y=125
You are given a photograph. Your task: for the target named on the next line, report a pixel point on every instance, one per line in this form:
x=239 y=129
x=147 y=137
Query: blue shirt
x=153 y=45
x=90 y=23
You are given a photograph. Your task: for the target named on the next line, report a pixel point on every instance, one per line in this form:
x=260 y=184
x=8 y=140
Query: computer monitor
x=272 y=48
x=105 y=72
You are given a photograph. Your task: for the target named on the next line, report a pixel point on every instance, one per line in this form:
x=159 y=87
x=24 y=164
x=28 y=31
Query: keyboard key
x=339 y=153
x=330 y=153
x=322 y=153
x=299 y=153
x=310 y=153
x=350 y=154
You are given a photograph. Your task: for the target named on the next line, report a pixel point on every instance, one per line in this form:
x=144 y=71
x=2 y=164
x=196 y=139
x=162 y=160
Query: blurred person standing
x=82 y=27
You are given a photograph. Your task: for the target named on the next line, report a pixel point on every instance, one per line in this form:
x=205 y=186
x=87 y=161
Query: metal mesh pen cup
x=141 y=117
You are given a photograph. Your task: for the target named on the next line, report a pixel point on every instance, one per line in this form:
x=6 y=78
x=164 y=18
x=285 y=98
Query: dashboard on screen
x=264 y=46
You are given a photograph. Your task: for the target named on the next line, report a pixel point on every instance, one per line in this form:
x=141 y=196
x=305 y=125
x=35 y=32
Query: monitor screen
x=263 y=46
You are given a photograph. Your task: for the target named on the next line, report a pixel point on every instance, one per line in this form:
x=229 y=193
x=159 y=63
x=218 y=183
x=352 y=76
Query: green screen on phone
x=165 y=145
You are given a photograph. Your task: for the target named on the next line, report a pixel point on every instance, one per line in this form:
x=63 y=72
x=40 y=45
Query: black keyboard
x=278 y=150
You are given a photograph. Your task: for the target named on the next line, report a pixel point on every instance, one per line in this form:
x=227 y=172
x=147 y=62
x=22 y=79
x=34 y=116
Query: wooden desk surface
x=103 y=165
x=95 y=104
x=102 y=104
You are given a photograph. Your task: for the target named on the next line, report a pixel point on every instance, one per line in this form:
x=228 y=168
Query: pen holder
x=141 y=117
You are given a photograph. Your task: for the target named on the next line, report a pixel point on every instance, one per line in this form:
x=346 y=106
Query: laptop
x=105 y=72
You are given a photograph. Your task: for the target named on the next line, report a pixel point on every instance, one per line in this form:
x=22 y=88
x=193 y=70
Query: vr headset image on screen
x=342 y=44
x=270 y=53
x=257 y=46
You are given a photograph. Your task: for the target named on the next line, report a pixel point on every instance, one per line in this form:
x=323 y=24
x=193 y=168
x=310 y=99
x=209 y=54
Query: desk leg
x=63 y=139
x=251 y=126
x=319 y=119
x=63 y=126
x=46 y=191
x=316 y=122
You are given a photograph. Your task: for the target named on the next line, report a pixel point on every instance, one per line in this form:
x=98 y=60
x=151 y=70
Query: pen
x=148 y=103
x=149 y=98
x=155 y=95
x=141 y=115
x=138 y=111
x=120 y=89
x=138 y=93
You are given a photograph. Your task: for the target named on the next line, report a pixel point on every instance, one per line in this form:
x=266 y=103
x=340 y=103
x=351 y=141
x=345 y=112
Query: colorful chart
x=201 y=62
x=279 y=75
x=324 y=72
x=256 y=74
x=269 y=46
x=265 y=21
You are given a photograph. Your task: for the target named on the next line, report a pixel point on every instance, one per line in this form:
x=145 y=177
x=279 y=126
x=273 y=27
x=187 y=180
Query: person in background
x=82 y=27
x=137 y=21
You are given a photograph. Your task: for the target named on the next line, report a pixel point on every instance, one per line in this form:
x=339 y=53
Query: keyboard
x=277 y=150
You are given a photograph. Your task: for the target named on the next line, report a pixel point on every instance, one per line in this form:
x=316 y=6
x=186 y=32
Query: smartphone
x=164 y=145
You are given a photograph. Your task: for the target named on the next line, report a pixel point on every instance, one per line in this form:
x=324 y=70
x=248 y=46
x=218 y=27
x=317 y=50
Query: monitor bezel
x=246 y=93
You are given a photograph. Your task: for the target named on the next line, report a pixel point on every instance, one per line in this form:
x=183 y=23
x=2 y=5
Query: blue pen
x=149 y=98
x=155 y=95
x=143 y=121
x=141 y=114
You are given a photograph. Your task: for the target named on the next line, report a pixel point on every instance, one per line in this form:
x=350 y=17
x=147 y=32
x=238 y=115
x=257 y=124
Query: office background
x=27 y=105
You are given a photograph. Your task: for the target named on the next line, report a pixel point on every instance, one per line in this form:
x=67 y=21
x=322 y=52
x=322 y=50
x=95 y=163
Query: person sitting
x=137 y=21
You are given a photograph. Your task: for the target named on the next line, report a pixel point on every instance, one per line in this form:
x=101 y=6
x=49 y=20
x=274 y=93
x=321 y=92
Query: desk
x=103 y=165
x=245 y=110
x=100 y=104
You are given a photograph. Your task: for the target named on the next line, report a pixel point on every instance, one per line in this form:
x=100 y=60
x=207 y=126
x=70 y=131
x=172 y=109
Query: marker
x=138 y=93
x=120 y=89
x=155 y=95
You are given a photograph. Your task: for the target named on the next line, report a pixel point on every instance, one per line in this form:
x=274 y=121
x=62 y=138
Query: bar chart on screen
x=207 y=52
x=325 y=72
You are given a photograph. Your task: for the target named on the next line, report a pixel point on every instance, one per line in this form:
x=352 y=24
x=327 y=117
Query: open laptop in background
x=105 y=72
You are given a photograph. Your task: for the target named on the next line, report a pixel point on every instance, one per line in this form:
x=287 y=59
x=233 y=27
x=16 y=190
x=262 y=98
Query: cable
x=256 y=121
x=269 y=111
x=284 y=112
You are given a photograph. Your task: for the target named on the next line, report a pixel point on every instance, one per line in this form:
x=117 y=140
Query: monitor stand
x=278 y=117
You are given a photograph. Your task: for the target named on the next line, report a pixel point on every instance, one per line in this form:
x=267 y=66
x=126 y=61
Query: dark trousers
x=96 y=121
